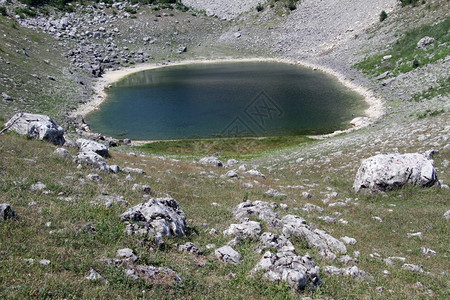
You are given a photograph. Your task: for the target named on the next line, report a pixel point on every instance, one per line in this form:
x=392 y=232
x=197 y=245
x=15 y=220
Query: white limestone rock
x=161 y=215
x=228 y=255
x=36 y=126
x=385 y=172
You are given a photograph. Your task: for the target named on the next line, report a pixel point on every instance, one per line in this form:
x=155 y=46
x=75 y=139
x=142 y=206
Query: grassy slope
x=25 y=53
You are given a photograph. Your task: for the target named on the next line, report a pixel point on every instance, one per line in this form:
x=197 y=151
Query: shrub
x=416 y=64
x=3 y=11
x=130 y=10
x=259 y=7
x=409 y=2
x=383 y=16
x=291 y=5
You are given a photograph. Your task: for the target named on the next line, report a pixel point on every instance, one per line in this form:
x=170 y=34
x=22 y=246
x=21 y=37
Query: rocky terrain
x=361 y=215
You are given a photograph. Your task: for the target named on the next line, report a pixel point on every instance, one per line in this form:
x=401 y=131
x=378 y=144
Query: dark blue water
x=225 y=99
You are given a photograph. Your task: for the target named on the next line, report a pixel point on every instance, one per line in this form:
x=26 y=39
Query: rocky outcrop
x=271 y=240
x=245 y=230
x=157 y=215
x=6 y=212
x=296 y=271
x=327 y=245
x=37 y=127
x=386 y=172
x=259 y=210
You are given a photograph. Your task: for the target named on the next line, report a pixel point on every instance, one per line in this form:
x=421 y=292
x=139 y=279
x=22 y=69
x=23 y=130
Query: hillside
x=53 y=61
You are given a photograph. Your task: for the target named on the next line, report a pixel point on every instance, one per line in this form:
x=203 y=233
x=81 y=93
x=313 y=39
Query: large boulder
x=296 y=271
x=385 y=172
x=36 y=126
x=157 y=215
x=88 y=145
x=6 y=212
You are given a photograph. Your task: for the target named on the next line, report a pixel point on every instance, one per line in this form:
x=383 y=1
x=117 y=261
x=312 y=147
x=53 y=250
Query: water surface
x=225 y=99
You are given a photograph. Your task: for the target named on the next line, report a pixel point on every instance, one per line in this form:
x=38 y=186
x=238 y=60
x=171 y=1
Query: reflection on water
x=225 y=99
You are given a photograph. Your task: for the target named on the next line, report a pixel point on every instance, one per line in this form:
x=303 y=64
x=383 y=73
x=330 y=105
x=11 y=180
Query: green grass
x=238 y=148
x=406 y=56
x=443 y=88
x=73 y=252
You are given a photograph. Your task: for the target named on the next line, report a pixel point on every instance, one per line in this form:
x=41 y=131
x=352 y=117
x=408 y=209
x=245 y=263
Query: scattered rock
x=6 y=212
x=110 y=201
x=311 y=207
x=144 y=188
x=246 y=230
x=348 y=240
x=259 y=210
x=385 y=172
x=44 y=262
x=94 y=177
x=413 y=268
x=36 y=126
x=6 y=97
x=127 y=254
x=94 y=160
x=427 y=251
x=296 y=271
x=61 y=152
x=447 y=215
x=415 y=234
x=354 y=271
x=159 y=275
x=274 y=193
x=255 y=173
x=133 y=170
x=189 y=248
x=93 y=146
x=271 y=240
x=232 y=174
x=211 y=160
x=39 y=186
x=162 y=215
x=327 y=245
x=94 y=275
x=228 y=255
x=425 y=42
x=348 y=260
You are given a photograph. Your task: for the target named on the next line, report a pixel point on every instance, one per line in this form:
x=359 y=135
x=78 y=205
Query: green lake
x=224 y=100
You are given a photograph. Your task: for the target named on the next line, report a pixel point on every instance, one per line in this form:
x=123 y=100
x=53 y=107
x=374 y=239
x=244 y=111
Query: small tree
x=383 y=16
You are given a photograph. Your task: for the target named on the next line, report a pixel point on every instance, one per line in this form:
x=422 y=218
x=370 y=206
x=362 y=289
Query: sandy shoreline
x=373 y=112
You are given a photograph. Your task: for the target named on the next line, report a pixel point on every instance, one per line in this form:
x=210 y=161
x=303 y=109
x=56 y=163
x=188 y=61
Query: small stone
x=93 y=275
x=6 y=212
x=94 y=177
x=44 y=262
x=413 y=268
x=415 y=234
x=348 y=240
x=427 y=251
x=127 y=254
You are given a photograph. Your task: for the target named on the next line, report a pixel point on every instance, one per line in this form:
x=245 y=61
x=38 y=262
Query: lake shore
x=373 y=112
